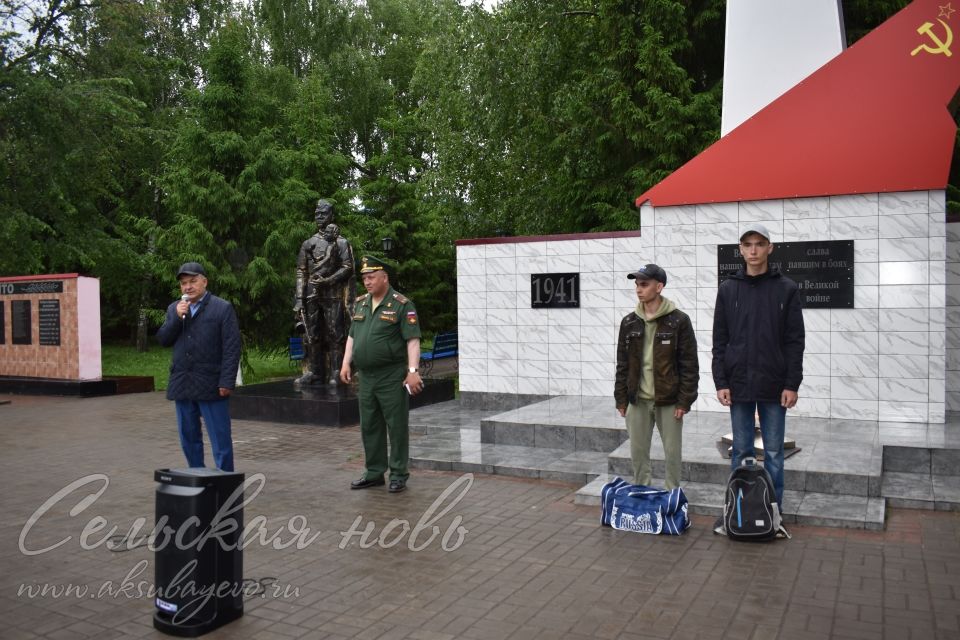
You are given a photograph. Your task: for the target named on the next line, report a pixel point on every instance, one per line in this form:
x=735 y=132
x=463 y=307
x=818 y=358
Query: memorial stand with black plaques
x=198 y=554
x=50 y=338
x=823 y=271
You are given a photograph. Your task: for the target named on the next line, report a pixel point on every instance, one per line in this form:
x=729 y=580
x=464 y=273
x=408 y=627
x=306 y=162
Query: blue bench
x=296 y=350
x=444 y=346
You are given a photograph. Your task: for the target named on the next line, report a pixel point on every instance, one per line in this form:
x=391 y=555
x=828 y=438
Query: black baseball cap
x=191 y=269
x=649 y=272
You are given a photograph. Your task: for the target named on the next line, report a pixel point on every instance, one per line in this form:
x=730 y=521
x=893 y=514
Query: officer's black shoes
x=364 y=483
x=396 y=486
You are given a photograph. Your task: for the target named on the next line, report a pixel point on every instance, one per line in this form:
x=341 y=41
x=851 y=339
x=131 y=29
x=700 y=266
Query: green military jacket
x=380 y=335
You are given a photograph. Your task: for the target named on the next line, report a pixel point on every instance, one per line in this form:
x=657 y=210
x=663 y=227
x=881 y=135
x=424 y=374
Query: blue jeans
x=216 y=415
x=772 y=425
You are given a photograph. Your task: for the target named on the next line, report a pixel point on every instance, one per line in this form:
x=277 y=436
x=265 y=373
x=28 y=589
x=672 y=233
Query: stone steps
x=573 y=437
x=844 y=474
x=808 y=508
x=714 y=469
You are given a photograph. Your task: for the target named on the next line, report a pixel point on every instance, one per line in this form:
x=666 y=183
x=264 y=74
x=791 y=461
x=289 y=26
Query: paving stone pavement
x=530 y=564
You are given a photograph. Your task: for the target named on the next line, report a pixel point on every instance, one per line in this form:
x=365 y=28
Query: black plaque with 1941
x=554 y=290
x=822 y=269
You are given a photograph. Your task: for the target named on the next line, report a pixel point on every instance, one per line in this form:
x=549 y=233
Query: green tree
x=247 y=163
x=551 y=117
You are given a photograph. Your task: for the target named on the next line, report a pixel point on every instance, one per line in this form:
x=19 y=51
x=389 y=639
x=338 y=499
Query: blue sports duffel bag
x=635 y=507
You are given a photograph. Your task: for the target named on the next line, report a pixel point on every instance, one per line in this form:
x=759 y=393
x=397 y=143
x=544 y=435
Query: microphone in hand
x=184 y=298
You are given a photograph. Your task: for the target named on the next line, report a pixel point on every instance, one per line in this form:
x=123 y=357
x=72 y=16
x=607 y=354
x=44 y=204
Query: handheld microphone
x=184 y=298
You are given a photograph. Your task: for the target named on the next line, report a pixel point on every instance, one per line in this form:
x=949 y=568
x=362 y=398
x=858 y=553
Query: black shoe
x=364 y=483
x=396 y=486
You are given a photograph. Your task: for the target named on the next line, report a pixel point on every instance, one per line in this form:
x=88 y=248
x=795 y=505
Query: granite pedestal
x=319 y=405
x=106 y=386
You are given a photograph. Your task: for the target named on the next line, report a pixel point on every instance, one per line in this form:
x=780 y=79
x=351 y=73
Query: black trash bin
x=199 y=562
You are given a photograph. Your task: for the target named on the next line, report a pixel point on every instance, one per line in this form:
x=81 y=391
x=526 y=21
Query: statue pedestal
x=317 y=405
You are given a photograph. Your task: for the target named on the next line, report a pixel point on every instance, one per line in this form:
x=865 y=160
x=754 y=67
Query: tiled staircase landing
x=845 y=475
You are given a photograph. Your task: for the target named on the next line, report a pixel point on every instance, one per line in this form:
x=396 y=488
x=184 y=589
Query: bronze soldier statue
x=324 y=297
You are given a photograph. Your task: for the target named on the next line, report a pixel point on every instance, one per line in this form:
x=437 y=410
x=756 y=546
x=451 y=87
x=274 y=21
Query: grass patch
x=260 y=365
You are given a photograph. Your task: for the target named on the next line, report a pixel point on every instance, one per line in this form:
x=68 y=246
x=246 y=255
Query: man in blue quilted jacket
x=205 y=336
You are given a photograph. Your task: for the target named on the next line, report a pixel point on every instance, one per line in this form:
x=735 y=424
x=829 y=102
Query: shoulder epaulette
x=399 y=297
x=363 y=297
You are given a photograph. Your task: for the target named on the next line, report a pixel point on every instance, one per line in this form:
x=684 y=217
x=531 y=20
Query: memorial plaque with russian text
x=822 y=269
x=20 y=322
x=50 y=322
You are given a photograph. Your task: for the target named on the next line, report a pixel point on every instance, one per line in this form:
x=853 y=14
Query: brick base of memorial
x=318 y=405
x=107 y=386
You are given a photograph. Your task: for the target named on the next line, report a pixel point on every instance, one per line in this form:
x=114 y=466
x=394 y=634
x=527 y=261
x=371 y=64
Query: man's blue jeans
x=216 y=415
x=772 y=425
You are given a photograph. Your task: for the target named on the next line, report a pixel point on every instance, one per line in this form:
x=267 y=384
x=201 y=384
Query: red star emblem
x=946 y=10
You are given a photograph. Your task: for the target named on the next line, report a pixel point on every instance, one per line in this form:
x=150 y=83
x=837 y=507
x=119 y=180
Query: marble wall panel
x=533 y=368
x=817 y=319
x=902 y=333
x=900 y=273
x=502 y=367
x=904 y=202
x=914 y=225
x=602 y=388
x=805 y=229
x=598 y=370
x=817 y=342
x=937 y=201
x=861 y=204
x=670 y=216
x=910 y=389
x=718 y=212
x=904 y=342
x=501 y=266
x=854 y=365
x=898 y=296
x=531 y=249
x=598 y=245
x=816 y=364
x=854 y=409
x=682 y=256
x=598 y=352
x=854 y=319
x=815 y=386
x=533 y=386
x=532 y=350
x=937 y=248
x=714 y=233
x=854 y=228
x=866 y=250
x=595 y=262
x=501 y=350
x=898 y=411
x=904 y=366
x=753 y=210
x=567 y=263
x=502 y=250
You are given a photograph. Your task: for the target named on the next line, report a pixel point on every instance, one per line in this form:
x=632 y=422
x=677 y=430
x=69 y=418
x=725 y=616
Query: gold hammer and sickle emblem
x=942 y=47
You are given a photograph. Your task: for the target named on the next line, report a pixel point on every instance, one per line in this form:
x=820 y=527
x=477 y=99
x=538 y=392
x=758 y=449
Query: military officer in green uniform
x=384 y=349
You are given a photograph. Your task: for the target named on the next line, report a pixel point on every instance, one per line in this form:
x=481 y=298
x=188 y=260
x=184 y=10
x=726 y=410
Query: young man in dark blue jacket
x=758 y=342
x=205 y=336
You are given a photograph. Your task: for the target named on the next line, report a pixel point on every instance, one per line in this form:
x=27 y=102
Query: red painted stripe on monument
x=599 y=235
x=48 y=276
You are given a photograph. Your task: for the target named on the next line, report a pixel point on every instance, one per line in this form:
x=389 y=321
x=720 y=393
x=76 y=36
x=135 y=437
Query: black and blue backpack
x=750 y=509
